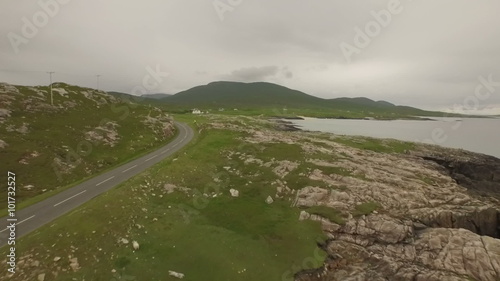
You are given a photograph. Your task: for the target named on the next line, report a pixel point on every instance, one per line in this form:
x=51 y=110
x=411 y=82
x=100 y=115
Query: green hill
x=148 y=97
x=84 y=132
x=156 y=96
x=269 y=98
x=378 y=107
x=361 y=102
x=258 y=94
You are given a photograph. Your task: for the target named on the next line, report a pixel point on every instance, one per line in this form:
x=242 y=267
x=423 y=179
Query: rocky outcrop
x=378 y=247
x=73 y=263
x=3 y=144
x=484 y=221
x=443 y=226
x=8 y=89
x=4 y=113
x=478 y=173
x=170 y=188
x=106 y=134
x=284 y=168
x=176 y=274
x=284 y=125
x=234 y=192
x=135 y=245
x=162 y=124
x=437 y=214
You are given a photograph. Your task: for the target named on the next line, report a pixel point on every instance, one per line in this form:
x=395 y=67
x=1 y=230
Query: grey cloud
x=287 y=73
x=252 y=74
x=431 y=63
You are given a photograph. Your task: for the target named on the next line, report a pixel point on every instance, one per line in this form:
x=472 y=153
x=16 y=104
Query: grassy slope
x=221 y=238
x=220 y=94
x=60 y=133
x=271 y=99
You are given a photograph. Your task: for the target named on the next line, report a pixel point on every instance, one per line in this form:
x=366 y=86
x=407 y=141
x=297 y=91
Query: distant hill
x=124 y=96
x=144 y=99
x=156 y=96
x=362 y=102
x=368 y=105
x=260 y=94
x=116 y=94
x=268 y=95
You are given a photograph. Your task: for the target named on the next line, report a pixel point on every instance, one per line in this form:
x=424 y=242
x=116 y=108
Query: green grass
x=202 y=236
x=270 y=99
x=376 y=145
x=281 y=151
x=366 y=208
x=294 y=112
x=38 y=198
x=330 y=213
x=60 y=133
x=297 y=181
x=221 y=238
x=335 y=170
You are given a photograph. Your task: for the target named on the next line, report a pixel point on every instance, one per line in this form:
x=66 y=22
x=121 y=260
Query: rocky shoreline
x=443 y=226
x=433 y=211
x=284 y=125
x=454 y=237
x=476 y=172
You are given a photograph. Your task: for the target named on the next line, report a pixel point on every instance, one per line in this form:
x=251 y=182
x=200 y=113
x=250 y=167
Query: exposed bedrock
x=449 y=231
x=483 y=222
x=378 y=247
x=478 y=173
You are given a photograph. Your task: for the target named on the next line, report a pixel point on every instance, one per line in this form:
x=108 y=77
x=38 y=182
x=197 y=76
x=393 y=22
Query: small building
x=196 y=111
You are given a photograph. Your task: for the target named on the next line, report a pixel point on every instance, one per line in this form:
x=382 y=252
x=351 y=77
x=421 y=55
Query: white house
x=196 y=111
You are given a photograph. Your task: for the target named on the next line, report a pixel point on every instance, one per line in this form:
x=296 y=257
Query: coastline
x=470 y=134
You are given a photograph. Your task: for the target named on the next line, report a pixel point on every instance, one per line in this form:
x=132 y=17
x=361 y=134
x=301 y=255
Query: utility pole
x=98 y=81
x=51 y=96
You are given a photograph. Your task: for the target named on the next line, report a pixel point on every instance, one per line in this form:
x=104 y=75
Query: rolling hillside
x=258 y=94
x=265 y=96
x=85 y=132
x=156 y=96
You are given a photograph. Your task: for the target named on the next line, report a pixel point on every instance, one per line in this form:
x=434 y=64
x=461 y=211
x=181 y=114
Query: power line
x=51 y=96
x=98 y=75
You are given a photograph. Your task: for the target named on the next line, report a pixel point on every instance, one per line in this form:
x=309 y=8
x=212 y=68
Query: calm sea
x=474 y=134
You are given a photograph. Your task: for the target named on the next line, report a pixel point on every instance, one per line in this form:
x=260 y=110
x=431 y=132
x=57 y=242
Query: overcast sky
x=428 y=54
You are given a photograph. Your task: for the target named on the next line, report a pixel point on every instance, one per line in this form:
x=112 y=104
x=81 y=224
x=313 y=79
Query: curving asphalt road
x=41 y=213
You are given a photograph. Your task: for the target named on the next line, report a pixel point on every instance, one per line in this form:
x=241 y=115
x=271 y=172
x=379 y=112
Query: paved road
x=41 y=213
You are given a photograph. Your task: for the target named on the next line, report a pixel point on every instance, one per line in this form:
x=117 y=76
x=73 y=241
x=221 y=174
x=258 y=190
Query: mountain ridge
x=156 y=96
x=269 y=95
